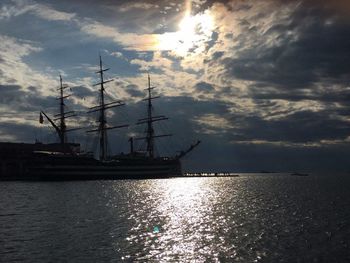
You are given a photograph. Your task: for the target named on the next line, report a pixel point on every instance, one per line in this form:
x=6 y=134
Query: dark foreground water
x=252 y=218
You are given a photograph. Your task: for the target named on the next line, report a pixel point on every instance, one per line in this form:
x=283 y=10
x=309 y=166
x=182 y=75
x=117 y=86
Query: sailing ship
x=66 y=162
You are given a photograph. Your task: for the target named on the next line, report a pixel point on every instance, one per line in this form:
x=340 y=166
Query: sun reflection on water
x=176 y=220
x=184 y=202
x=244 y=219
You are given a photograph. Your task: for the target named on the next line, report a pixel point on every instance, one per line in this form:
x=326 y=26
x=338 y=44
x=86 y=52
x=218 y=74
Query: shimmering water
x=251 y=218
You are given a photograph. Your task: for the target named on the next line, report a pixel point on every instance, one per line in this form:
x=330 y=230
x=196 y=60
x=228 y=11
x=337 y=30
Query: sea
x=250 y=218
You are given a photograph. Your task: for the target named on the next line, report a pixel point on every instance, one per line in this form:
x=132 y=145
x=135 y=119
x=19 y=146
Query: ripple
x=251 y=218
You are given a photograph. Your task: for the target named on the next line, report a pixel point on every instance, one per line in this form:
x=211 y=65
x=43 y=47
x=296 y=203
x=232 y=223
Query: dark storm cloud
x=308 y=64
x=313 y=45
x=10 y=93
x=203 y=87
x=83 y=92
x=16 y=98
x=218 y=54
x=13 y=96
x=134 y=91
x=325 y=95
x=300 y=127
x=20 y=132
x=318 y=52
x=209 y=44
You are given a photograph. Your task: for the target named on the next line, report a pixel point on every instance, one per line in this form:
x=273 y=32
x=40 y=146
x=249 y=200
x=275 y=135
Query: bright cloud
x=14 y=70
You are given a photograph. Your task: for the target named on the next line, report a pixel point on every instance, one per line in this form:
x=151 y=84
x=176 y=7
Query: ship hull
x=105 y=172
x=53 y=168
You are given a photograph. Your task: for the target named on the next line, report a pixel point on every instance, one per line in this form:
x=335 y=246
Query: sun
x=193 y=32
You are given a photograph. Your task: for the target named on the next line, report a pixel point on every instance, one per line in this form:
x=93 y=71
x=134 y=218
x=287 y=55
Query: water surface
x=251 y=218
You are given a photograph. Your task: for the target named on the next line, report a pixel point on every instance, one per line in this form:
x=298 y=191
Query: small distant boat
x=299 y=174
x=266 y=172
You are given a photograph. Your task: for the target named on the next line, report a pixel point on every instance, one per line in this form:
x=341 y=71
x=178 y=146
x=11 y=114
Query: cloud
x=26 y=91
x=8 y=11
x=48 y=13
x=137 y=5
x=299 y=127
x=20 y=106
x=13 y=68
x=289 y=48
x=130 y=41
x=134 y=91
x=214 y=124
x=20 y=7
x=203 y=87
x=117 y=54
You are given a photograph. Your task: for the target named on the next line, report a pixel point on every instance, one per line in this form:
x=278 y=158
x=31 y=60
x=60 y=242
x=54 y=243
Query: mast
x=150 y=131
x=131 y=140
x=150 y=135
x=61 y=128
x=101 y=108
x=102 y=119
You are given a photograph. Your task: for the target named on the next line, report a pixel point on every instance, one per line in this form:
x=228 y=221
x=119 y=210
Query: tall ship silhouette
x=65 y=161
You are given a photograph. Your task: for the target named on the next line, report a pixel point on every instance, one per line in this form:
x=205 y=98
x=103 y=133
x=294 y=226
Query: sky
x=265 y=85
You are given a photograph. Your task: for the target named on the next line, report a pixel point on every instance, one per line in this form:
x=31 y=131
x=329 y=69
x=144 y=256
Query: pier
x=206 y=174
